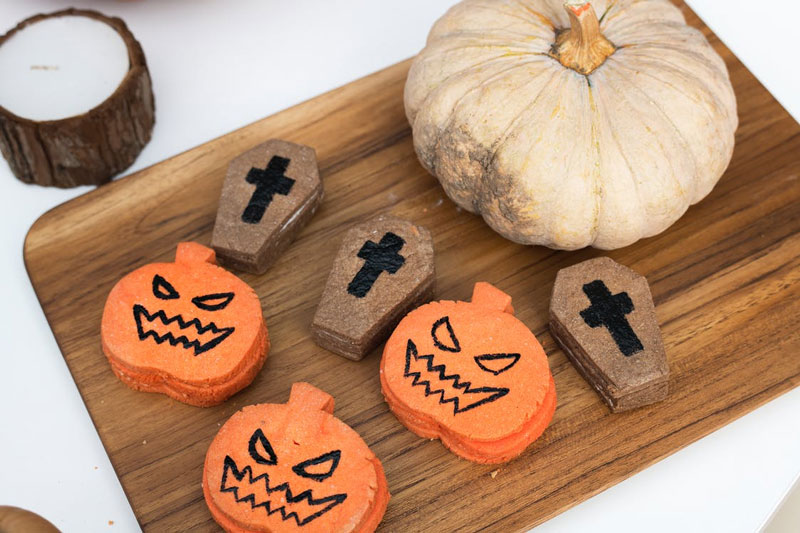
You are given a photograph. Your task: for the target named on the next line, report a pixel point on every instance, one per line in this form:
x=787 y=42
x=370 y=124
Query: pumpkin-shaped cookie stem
x=192 y=253
x=308 y=397
x=488 y=296
x=582 y=47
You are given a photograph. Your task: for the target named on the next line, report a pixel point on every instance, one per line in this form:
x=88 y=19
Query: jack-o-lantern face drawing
x=189 y=329
x=176 y=330
x=278 y=497
x=293 y=467
x=473 y=370
x=429 y=371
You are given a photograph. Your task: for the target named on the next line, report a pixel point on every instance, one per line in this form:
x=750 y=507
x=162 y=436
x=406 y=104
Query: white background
x=218 y=65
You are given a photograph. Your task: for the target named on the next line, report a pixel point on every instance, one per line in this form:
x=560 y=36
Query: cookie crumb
x=494 y=473
x=110 y=522
x=144 y=442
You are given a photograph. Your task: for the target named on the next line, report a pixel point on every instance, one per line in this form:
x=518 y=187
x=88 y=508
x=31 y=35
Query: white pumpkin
x=568 y=131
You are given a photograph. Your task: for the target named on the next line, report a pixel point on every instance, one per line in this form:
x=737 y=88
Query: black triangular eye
x=162 y=289
x=261 y=450
x=319 y=468
x=213 y=302
x=497 y=363
x=449 y=344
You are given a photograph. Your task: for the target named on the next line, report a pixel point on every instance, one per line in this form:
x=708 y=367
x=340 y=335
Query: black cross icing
x=609 y=311
x=268 y=182
x=381 y=257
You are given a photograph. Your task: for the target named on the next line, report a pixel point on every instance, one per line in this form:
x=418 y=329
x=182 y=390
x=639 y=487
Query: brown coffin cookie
x=384 y=269
x=602 y=315
x=269 y=194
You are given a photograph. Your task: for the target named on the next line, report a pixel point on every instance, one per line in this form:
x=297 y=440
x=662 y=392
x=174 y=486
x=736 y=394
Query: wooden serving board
x=725 y=278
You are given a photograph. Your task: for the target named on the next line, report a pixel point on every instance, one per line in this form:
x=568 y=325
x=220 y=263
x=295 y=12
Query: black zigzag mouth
x=176 y=330
x=435 y=381
x=244 y=487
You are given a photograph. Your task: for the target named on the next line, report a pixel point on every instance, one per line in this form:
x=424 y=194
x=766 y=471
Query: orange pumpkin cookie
x=293 y=467
x=470 y=374
x=188 y=329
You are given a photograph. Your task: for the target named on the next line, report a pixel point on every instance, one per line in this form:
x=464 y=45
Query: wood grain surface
x=725 y=280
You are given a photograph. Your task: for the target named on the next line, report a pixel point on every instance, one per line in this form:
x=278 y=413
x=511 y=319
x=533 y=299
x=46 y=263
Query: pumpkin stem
x=192 y=253
x=488 y=296
x=582 y=47
x=306 y=396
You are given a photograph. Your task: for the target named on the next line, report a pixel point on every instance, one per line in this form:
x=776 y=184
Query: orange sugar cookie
x=188 y=329
x=293 y=467
x=470 y=374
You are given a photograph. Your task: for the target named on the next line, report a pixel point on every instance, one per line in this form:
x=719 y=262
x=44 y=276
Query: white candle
x=61 y=67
